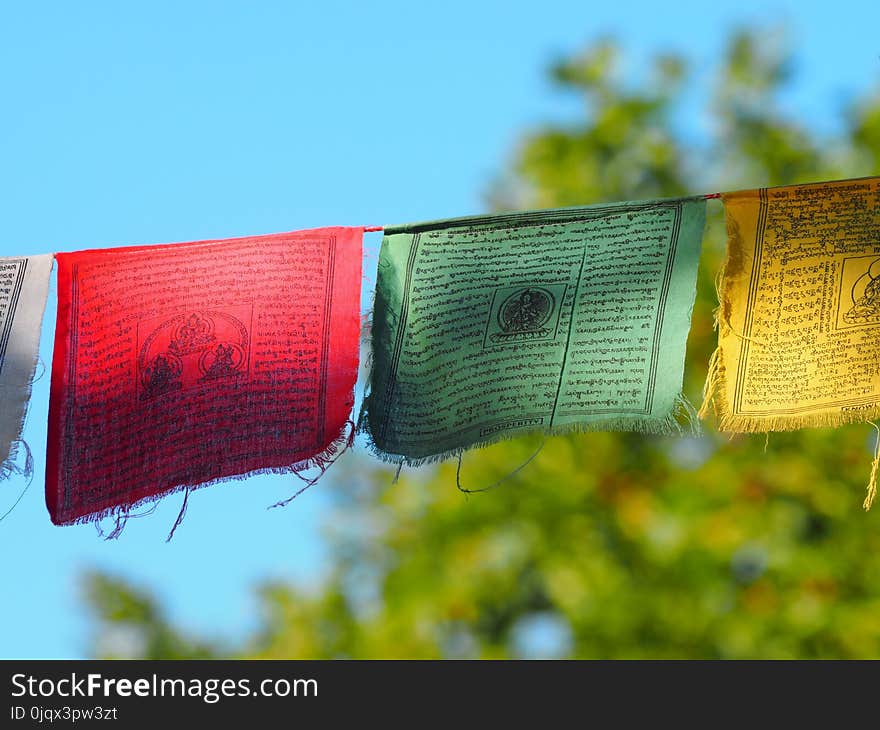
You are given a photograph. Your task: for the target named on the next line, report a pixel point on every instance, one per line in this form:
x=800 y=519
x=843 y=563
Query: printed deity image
x=799 y=323
x=489 y=327
x=863 y=306
x=193 y=348
x=182 y=364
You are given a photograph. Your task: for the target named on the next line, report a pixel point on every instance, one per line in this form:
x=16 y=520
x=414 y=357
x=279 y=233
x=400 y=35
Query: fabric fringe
x=37 y=378
x=122 y=517
x=120 y=514
x=180 y=515
x=762 y=424
x=10 y=468
x=323 y=461
x=714 y=388
x=715 y=400
x=713 y=382
x=872 y=479
x=681 y=420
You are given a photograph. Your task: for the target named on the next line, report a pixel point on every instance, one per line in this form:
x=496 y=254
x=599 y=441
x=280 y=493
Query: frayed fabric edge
x=681 y=420
x=10 y=467
x=121 y=513
x=715 y=400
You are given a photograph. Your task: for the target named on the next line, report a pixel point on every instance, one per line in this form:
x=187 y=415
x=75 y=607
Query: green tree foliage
x=606 y=545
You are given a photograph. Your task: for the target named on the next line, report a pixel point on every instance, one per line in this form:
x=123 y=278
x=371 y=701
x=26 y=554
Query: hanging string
x=180 y=515
x=121 y=517
x=42 y=367
x=500 y=481
x=374 y=229
x=15 y=504
x=322 y=464
x=27 y=471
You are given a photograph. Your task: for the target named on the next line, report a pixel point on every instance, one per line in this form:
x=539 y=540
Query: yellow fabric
x=799 y=314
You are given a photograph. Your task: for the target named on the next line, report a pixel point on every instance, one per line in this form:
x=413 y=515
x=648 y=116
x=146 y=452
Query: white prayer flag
x=24 y=287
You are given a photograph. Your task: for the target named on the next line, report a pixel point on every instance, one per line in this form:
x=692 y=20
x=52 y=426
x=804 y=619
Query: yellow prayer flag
x=799 y=314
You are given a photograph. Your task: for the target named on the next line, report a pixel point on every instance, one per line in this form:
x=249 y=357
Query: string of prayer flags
x=489 y=327
x=180 y=365
x=799 y=315
x=24 y=287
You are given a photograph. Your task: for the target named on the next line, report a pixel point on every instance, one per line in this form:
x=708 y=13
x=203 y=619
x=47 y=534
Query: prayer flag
x=799 y=315
x=24 y=286
x=183 y=364
x=489 y=327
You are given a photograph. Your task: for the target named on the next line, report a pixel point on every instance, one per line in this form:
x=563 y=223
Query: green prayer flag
x=489 y=327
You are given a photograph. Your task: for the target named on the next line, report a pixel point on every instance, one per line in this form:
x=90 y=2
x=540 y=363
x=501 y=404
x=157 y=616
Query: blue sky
x=132 y=123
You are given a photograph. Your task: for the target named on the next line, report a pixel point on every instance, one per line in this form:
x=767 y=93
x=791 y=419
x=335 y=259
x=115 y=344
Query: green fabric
x=489 y=327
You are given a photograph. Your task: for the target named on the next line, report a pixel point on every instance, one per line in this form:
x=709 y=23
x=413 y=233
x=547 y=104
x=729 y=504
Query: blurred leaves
x=134 y=625
x=607 y=545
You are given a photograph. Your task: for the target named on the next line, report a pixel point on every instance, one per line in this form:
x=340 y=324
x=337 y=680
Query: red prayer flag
x=182 y=364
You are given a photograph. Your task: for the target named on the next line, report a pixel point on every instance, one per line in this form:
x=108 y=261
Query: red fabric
x=181 y=364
